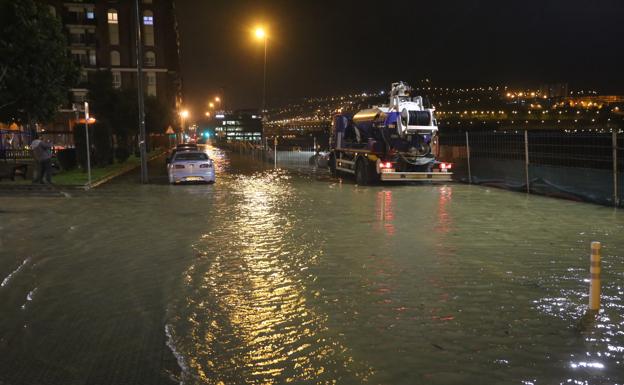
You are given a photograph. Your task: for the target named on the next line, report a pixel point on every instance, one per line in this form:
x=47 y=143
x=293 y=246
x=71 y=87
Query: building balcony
x=78 y=19
x=82 y=41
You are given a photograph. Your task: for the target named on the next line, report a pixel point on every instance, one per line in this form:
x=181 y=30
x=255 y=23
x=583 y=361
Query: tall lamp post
x=139 y=59
x=262 y=35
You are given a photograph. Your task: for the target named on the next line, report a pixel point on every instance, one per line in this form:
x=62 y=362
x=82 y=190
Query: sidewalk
x=73 y=180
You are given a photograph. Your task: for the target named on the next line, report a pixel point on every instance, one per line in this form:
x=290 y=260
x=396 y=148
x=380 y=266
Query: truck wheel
x=362 y=173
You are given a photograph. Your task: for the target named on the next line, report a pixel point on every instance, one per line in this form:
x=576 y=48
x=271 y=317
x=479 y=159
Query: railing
x=582 y=164
x=15 y=154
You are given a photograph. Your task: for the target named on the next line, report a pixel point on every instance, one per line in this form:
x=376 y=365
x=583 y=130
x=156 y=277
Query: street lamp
x=211 y=105
x=262 y=35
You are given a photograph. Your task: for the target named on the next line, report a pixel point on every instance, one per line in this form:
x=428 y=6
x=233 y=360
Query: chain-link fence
x=580 y=164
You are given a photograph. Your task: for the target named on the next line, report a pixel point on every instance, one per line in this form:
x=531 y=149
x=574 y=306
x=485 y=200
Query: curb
x=114 y=175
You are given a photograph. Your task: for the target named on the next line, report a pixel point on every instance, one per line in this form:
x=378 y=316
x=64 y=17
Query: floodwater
x=273 y=277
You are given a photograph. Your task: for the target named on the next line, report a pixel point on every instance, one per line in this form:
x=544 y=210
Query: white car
x=191 y=166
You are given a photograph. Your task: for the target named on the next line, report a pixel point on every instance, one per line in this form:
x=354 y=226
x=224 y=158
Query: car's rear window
x=191 y=156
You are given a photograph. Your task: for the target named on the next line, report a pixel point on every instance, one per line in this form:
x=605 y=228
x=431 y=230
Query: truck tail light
x=179 y=166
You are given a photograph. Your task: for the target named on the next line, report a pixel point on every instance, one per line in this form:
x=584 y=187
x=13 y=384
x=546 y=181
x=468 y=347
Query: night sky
x=321 y=47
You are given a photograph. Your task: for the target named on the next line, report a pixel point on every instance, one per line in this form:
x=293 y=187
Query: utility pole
x=86 y=108
x=139 y=59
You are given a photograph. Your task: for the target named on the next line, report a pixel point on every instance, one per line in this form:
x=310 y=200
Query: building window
x=92 y=58
x=80 y=56
x=90 y=15
x=115 y=59
x=113 y=27
x=113 y=17
x=52 y=10
x=151 y=84
x=148 y=28
x=116 y=79
x=84 y=77
x=150 y=59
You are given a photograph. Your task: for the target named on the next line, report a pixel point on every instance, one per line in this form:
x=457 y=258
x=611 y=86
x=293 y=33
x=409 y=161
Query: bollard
x=594 y=285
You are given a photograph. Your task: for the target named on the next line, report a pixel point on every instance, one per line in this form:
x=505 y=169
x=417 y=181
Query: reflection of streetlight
x=184 y=114
x=262 y=35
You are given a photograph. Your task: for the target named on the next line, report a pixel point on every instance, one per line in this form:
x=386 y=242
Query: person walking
x=42 y=153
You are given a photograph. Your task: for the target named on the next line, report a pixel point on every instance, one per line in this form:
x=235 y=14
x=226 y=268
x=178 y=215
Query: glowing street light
x=208 y=113
x=211 y=105
x=260 y=33
x=217 y=99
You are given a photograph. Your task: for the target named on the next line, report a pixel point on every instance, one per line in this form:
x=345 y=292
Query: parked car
x=191 y=166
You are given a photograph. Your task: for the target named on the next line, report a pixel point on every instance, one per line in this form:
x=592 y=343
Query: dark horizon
x=321 y=48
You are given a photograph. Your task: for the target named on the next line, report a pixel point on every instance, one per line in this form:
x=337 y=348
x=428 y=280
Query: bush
x=67 y=158
x=81 y=144
x=102 y=144
x=122 y=154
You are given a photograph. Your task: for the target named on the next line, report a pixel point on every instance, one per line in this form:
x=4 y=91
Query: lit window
x=112 y=17
x=113 y=27
x=90 y=15
x=148 y=28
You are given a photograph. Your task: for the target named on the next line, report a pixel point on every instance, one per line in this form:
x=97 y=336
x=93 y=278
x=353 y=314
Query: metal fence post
x=616 y=199
x=526 y=160
x=468 y=158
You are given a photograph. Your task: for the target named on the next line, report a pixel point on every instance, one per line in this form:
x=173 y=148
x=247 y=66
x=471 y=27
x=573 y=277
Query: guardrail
x=581 y=164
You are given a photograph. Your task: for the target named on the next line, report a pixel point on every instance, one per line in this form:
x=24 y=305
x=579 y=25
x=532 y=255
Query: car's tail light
x=179 y=166
x=446 y=166
x=385 y=165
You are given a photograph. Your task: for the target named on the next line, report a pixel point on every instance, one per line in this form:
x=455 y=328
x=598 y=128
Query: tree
x=35 y=69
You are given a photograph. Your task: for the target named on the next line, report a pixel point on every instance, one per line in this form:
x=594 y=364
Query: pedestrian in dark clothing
x=42 y=153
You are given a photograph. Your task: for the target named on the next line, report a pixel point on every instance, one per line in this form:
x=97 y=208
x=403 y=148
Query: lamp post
x=139 y=59
x=86 y=108
x=262 y=35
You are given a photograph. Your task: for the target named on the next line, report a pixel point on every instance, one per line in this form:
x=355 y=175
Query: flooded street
x=271 y=277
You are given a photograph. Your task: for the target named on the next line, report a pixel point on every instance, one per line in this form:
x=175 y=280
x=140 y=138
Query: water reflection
x=250 y=316
x=385 y=211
